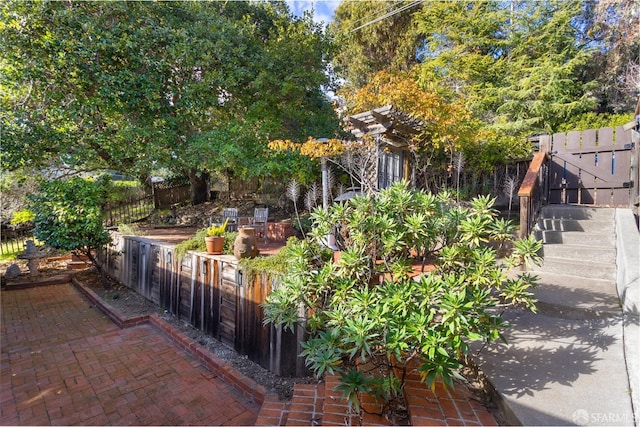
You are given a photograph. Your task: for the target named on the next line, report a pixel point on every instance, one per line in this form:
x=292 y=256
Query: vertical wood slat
x=228 y=301
x=556 y=171
x=622 y=196
x=205 y=289
x=587 y=188
x=208 y=315
x=572 y=173
x=184 y=287
x=252 y=335
x=635 y=171
x=605 y=164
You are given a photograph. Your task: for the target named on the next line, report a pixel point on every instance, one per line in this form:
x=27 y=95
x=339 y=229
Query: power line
x=387 y=7
x=387 y=15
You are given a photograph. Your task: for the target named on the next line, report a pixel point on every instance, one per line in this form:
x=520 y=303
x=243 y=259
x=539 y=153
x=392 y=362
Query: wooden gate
x=592 y=167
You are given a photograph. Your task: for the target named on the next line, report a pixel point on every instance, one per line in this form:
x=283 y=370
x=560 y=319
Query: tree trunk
x=199 y=183
x=103 y=275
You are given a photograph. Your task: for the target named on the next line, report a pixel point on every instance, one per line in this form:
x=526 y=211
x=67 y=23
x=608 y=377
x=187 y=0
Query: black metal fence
x=129 y=211
x=12 y=241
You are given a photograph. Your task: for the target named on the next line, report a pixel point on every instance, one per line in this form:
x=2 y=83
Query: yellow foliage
x=446 y=125
x=312 y=148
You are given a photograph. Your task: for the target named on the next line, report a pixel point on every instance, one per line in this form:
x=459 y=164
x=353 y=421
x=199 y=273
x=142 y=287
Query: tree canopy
x=194 y=87
x=520 y=67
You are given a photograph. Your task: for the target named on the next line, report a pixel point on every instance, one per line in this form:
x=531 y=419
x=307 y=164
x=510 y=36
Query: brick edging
x=244 y=385
x=108 y=309
x=61 y=279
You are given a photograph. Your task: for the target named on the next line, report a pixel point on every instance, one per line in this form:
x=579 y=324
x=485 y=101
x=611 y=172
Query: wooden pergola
x=393 y=126
x=392 y=130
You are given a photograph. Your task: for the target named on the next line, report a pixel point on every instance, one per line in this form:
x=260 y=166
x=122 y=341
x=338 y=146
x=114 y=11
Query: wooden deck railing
x=532 y=192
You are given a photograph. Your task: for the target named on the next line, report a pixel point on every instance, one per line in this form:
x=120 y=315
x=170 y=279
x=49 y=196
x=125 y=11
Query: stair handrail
x=532 y=192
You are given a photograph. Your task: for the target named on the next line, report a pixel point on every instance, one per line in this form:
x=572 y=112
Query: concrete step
x=574 y=298
x=559 y=224
x=578 y=212
x=584 y=253
x=579 y=268
x=554 y=371
x=576 y=237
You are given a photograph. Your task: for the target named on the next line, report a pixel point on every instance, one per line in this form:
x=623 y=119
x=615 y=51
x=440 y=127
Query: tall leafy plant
x=68 y=216
x=369 y=319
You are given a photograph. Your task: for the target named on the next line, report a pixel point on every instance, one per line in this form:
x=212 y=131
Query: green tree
x=520 y=67
x=519 y=63
x=446 y=128
x=367 y=45
x=68 y=216
x=613 y=26
x=194 y=87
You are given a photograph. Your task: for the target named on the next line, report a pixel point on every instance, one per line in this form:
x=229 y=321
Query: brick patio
x=64 y=362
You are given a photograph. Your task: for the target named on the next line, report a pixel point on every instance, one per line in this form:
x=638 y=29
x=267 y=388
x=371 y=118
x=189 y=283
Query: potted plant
x=215 y=238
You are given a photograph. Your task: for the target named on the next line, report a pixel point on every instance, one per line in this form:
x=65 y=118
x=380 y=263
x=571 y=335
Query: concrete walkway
x=576 y=361
x=66 y=363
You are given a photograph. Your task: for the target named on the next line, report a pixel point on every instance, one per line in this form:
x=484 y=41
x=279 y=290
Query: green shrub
x=130 y=229
x=366 y=309
x=274 y=266
x=22 y=217
x=197 y=243
x=68 y=216
x=302 y=224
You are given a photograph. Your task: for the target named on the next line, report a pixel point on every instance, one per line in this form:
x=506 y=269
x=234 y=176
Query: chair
x=260 y=216
x=232 y=215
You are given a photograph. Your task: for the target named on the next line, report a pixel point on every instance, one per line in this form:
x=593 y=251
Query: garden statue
x=32 y=255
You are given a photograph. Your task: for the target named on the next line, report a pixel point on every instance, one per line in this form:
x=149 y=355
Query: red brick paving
x=321 y=404
x=64 y=362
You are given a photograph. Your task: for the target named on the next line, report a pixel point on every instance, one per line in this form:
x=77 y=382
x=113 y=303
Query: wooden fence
x=212 y=294
x=591 y=167
x=165 y=196
x=597 y=167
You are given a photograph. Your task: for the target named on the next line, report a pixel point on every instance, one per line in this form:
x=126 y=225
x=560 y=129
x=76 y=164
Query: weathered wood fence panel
x=212 y=294
x=592 y=167
x=164 y=196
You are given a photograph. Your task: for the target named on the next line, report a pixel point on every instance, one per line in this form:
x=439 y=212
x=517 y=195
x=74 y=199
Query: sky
x=322 y=9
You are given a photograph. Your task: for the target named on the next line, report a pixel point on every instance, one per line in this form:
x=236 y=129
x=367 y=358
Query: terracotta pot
x=215 y=244
x=246 y=244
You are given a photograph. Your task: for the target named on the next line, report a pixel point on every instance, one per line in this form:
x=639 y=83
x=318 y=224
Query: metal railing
x=128 y=212
x=13 y=241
